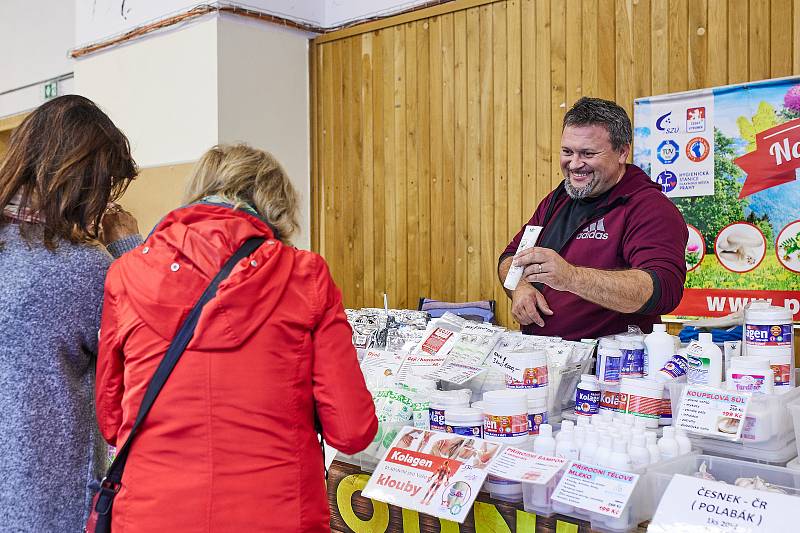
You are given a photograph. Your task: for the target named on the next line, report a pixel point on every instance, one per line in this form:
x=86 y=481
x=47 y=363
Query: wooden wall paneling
x=625 y=74
x=424 y=157
x=328 y=153
x=642 y=33
x=461 y=142
x=391 y=218
x=449 y=208
x=698 y=44
x=659 y=45
x=379 y=97
x=795 y=37
x=485 y=207
x=401 y=228
x=759 y=39
x=718 y=43
x=499 y=174
x=345 y=201
x=544 y=152
x=439 y=218
x=514 y=217
x=678 y=46
x=434 y=139
x=315 y=121
x=412 y=167
x=367 y=170
x=337 y=131
x=606 y=59
x=780 y=32
x=738 y=41
x=558 y=82
x=530 y=109
x=474 y=155
x=573 y=88
x=355 y=213
x=589 y=33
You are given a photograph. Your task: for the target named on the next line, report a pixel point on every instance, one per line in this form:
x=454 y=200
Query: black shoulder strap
x=110 y=484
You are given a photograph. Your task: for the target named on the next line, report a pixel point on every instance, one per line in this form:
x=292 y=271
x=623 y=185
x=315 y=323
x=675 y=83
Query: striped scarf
x=15 y=213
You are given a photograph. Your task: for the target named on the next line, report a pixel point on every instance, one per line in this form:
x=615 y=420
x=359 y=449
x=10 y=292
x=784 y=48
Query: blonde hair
x=241 y=174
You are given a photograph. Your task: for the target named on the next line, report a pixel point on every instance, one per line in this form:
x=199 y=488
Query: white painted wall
x=99 y=19
x=34 y=39
x=263 y=98
x=161 y=90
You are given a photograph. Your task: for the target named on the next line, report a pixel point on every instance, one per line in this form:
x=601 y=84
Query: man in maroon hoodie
x=611 y=253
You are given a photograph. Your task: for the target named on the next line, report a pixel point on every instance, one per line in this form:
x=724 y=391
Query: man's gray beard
x=579 y=193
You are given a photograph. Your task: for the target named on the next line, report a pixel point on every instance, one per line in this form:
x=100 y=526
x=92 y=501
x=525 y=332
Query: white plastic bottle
x=619 y=460
x=705 y=362
x=587 y=396
x=659 y=347
x=579 y=436
x=652 y=446
x=603 y=449
x=684 y=443
x=637 y=450
x=566 y=446
x=589 y=448
x=545 y=444
x=668 y=447
x=567 y=426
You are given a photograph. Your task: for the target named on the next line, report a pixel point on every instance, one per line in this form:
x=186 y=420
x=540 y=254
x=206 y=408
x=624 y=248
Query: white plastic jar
x=587 y=396
x=632 y=348
x=465 y=421
x=537 y=410
x=751 y=374
x=643 y=399
x=534 y=363
x=609 y=360
x=505 y=416
x=442 y=400
x=609 y=398
x=767 y=329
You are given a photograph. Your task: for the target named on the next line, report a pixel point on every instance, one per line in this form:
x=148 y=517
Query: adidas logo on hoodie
x=595 y=230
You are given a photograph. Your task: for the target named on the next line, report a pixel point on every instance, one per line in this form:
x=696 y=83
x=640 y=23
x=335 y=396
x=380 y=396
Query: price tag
x=692 y=504
x=711 y=411
x=500 y=361
x=596 y=489
x=521 y=465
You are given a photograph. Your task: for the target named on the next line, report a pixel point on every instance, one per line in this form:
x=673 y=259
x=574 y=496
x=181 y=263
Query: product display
x=622 y=422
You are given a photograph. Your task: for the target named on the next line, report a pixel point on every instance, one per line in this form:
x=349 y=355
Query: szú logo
x=695 y=119
x=664 y=123
x=697 y=149
x=667 y=152
x=668 y=181
x=595 y=230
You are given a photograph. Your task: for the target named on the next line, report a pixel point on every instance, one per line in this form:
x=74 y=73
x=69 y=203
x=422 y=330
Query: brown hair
x=241 y=174
x=66 y=161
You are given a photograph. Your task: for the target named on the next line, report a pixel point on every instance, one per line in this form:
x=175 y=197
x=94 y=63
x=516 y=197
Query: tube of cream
x=528 y=240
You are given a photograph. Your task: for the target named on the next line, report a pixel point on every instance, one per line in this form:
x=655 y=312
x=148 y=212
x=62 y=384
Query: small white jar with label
x=464 y=421
x=643 y=399
x=751 y=374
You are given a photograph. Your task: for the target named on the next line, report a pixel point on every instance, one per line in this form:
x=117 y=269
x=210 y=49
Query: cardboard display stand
x=353 y=513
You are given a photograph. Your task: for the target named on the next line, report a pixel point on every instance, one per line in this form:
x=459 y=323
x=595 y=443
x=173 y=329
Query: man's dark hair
x=596 y=111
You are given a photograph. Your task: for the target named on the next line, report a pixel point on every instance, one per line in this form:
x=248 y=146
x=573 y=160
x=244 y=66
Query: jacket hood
x=165 y=276
x=634 y=180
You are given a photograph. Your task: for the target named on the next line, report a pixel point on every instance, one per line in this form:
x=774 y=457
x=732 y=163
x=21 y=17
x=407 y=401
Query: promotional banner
x=436 y=473
x=728 y=158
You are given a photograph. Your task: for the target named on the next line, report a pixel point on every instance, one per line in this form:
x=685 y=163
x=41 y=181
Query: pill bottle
x=441 y=400
x=609 y=359
x=537 y=411
x=587 y=396
x=464 y=421
x=534 y=363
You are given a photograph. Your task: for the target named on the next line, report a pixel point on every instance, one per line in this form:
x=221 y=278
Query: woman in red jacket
x=230 y=443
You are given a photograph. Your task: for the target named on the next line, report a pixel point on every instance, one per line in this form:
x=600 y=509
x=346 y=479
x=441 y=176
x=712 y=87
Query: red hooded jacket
x=229 y=444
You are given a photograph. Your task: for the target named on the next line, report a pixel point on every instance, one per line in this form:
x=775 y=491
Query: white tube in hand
x=529 y=238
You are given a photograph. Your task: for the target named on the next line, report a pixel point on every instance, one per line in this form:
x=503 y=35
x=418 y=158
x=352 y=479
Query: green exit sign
x=50 y=90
